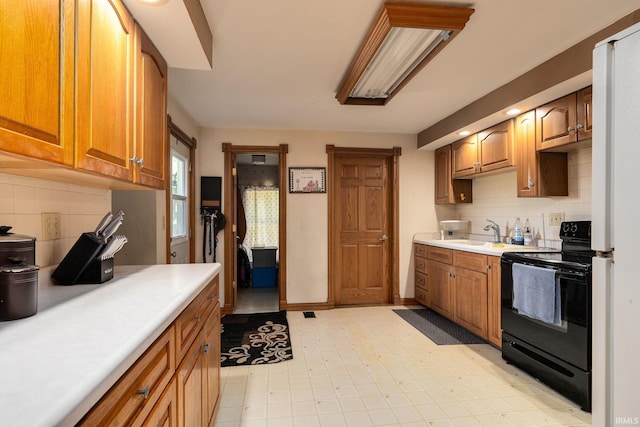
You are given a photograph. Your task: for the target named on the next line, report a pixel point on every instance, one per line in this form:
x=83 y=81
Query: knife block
x=98 y=271
x=81 y=256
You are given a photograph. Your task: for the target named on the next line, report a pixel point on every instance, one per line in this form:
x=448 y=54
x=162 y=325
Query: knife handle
x=103 y=223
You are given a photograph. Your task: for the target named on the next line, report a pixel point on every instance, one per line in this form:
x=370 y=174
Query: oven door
x=570 y=342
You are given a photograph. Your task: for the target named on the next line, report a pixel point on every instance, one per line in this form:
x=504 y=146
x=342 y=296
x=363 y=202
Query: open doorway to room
x=258 y=232
x=255 y=255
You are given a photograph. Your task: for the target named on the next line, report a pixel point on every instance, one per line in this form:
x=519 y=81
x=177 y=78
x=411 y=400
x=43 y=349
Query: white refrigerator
x=616 y=230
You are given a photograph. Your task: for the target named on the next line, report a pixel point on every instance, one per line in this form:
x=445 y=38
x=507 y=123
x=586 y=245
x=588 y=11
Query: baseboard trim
x=406 y=301
x=306 y=306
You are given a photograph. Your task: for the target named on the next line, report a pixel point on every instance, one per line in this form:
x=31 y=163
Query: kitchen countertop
x=58 y=363
x=487 y=248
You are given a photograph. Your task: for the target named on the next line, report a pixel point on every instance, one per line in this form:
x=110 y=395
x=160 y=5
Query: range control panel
x=575 y=229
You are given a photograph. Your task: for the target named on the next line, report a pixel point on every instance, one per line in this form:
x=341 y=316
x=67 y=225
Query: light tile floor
x=368 y=367
x=257 y=300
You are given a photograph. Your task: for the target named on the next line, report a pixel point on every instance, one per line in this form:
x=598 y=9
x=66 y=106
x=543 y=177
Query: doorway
x=255 y=252
x=363 y=226
x=180 y=197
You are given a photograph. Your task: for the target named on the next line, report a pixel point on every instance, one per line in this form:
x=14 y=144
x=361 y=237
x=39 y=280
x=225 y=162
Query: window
x=179 y=192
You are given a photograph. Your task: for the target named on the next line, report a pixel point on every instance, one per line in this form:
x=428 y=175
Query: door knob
x=174 y=254
x=383 y=238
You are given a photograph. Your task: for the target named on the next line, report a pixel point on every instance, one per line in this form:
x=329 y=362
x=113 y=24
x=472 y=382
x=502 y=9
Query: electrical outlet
x=51 y=226
x=556 y=218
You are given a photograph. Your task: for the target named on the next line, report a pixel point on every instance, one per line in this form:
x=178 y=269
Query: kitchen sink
x=468 y=242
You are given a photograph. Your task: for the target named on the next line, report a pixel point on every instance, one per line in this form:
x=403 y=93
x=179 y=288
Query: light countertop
x=58 y=363
x=477 y=246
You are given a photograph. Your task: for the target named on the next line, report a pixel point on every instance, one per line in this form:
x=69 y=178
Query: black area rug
x=255 y=339
x=437 y=328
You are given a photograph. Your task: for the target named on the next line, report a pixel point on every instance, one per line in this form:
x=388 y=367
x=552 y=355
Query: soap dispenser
x=518 y=237
x=527 y=235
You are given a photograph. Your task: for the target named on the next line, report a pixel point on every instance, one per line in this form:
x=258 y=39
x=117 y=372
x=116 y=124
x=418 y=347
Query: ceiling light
x=513 y=112
x=400 y=42
x=464 y=133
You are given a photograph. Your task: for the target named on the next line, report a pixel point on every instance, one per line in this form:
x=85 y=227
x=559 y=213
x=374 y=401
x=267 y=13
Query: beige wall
x=307 y=213
x=22 y=201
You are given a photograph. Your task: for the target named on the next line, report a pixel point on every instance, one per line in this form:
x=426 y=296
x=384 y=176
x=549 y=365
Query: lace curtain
x=261 y=211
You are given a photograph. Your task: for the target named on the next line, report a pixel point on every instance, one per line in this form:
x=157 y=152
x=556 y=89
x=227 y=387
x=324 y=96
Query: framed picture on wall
x=307 y=180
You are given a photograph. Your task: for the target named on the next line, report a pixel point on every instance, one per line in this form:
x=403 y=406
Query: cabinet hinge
x=233 y=228
x=234 y=172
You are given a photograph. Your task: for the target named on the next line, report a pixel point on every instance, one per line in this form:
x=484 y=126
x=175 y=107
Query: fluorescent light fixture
x=513 y=112
x=154 y=2
x=401 y=41
x=464 y=133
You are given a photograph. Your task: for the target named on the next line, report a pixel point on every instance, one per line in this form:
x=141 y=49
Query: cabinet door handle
x=140 y=162
x=579 y=126
x=569 y=129
x=197 y=318
x=134 y=159
x=206 y=349
x=144 y=392
x=383 y=238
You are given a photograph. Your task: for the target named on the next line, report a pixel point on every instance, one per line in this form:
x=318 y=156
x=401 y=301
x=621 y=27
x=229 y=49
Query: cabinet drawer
x=420 y=250
x=131 y=399
x=421 y=264
x=422 y=296
x=421 y=280
x=189 y=323
x=439 y=254
x=470 y=260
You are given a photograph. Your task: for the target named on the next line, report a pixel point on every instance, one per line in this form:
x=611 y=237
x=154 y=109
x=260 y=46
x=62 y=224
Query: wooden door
x=556 y=123
x=37 y=79
x=471 y=300
x=191 y=386
x=105 y=88
x=151 y=124
x=525 y=155
x=494 y=328
x=443 y=175
x=584 y=111
x=362 y=226
x=440 y=290
x=212 y=365
x=464 y=154
x=495 y=147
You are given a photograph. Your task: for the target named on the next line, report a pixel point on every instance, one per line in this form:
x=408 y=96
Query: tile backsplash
x=23 y=200
x=495 y=197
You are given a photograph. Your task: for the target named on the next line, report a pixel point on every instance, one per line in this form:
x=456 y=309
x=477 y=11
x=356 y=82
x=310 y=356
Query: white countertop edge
x=428 y=239
x=118 y=320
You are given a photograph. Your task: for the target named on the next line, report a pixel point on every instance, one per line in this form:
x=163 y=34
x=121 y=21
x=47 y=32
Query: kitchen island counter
x=58 y=363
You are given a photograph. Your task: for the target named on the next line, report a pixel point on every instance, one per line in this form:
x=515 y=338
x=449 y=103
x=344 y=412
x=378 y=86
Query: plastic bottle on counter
x=518 y=237
x=527 y=235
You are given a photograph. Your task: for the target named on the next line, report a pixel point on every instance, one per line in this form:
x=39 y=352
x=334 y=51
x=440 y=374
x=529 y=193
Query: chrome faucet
x=496 y=230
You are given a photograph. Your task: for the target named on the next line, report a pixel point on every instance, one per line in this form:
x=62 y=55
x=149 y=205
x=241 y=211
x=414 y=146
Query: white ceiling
x=277 y=63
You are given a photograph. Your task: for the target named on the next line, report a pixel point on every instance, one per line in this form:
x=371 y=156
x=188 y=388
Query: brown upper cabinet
x=151 y=149
x=36 y=115
x=75 y=74
x=539 y=174
x=485 y=151
x=563 y=123
x=447 y=189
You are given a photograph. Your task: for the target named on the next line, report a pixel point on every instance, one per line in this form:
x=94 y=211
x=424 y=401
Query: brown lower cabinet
x=462 y=286
x=167 y=386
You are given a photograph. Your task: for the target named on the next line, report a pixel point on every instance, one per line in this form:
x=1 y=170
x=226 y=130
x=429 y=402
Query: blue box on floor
x=264 y=277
